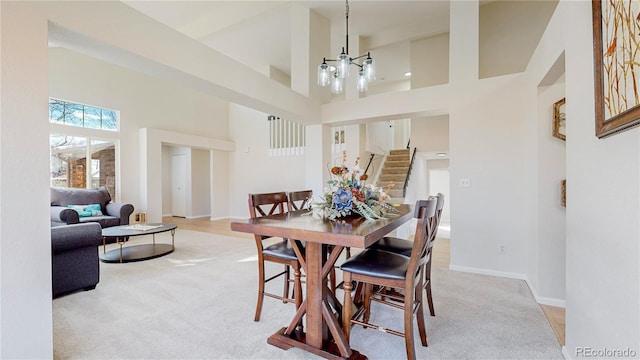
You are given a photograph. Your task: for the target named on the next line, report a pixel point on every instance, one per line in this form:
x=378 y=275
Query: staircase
x=395 y=169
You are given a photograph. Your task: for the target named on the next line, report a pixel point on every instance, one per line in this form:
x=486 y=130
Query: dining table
x=324 y=239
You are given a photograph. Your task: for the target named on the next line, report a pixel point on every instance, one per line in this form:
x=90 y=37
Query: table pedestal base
x=297 y=339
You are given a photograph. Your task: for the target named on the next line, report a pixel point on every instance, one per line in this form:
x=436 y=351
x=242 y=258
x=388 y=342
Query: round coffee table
x=136 y=252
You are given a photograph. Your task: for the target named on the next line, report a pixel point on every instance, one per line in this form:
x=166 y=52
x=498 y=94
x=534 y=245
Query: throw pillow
x=87 y=210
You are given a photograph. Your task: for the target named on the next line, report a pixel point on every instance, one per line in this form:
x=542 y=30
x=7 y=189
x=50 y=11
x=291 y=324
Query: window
x=285 y=137
x=77 y=160
x=338 y=144
x=91 y=117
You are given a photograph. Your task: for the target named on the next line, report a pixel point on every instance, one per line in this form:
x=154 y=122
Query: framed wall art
x=563 y=192
x=616 y=39
x=559 y=120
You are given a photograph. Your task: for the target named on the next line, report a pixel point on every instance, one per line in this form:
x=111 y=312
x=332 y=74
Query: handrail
x=406 y=180
x=369 y=164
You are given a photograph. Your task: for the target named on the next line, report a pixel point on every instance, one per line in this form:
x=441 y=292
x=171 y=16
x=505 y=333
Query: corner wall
x=603 y=209
x=25 y=241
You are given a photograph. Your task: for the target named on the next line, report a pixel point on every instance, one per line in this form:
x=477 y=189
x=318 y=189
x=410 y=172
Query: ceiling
x=224 y=25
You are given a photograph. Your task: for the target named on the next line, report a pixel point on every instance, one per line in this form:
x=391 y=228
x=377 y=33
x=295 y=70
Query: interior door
x=178 y=185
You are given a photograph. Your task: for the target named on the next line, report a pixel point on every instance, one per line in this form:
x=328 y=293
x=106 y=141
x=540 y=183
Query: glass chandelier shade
x=342 y=66
x=324 y=76
x=363 y=82
x=337 y=84
x=369 y=68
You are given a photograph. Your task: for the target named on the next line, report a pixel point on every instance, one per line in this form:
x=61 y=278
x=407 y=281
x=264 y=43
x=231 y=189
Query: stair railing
x=406 y=180
x=369 y=164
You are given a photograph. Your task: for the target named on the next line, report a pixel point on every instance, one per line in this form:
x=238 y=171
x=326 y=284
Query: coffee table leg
x=173 y=233
x=104 y=244
x=120 y=243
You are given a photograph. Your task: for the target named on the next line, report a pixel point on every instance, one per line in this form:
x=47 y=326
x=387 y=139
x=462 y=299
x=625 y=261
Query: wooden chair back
x=299 y=200
x=267 y=204
x=435 y=221
x=425 y=212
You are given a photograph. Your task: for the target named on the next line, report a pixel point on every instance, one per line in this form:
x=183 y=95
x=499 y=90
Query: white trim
x=565 y=353
x=221 y=218
x=198 y=216
x=550 y=301
x=167 y=215
x=232 y=217
x=540 y=300
x=487 y=272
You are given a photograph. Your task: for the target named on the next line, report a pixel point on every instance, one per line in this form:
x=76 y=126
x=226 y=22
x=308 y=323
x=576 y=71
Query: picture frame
x=617 y=78
x=563 y=192
x=559 y=120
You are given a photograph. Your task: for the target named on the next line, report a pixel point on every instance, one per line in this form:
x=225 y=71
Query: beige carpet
x=198 y=303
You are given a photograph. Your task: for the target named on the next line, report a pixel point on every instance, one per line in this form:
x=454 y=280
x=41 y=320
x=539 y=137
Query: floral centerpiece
x=348 y=195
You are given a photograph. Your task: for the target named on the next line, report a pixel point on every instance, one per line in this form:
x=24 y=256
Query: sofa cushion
x=70 y=196
x=104 y=221
x=87 y=210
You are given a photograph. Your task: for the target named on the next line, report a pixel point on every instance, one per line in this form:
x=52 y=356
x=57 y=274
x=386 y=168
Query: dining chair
x=385 y=269
x=404 y=247
x=299 y=200
x=281 y=252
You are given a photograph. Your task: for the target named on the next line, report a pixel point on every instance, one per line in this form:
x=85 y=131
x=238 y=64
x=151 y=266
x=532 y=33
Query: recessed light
x=407 y=74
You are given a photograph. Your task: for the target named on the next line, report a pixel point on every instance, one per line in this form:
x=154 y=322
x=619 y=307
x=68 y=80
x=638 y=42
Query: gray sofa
x=110 y=214
x=74 y=257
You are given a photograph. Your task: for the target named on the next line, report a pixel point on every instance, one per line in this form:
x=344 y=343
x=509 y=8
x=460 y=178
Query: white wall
x=486 y=147
x=430 y=134
x=25 y=241
x=200 y=184
x=143 y=102
x=379 y=137
x=167 y=192
x=551 y=215
x=503 y=49
x=603 y=208
x=251 y=169
x=439 y=183
x=430 y=61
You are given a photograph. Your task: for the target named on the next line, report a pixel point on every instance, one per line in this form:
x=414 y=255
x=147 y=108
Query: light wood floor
x=441 y=251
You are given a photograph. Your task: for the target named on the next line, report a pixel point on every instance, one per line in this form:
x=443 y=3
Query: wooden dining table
x=322 y=334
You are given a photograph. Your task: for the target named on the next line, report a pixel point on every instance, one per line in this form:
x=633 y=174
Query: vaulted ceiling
x=258 y=33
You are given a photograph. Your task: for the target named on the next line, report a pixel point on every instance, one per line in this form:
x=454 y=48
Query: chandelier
x=335 y=75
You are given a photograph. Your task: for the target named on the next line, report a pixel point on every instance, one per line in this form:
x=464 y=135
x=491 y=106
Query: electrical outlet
x=465 y=183
x=502 y=249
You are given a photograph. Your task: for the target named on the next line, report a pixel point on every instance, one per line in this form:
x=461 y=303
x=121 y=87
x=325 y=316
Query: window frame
x=92 y=134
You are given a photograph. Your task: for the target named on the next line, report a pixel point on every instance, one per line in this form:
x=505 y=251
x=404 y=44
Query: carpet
x=199 y=302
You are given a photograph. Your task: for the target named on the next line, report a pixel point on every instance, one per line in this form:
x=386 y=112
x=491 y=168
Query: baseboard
x=197 y=216
x=219 y=218
x=540 y=300
x=565 y=353
x=551 y=302
x=167 y=215
x=487 y=272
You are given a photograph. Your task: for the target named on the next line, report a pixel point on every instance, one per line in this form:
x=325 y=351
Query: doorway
x=178 y=185
x=186 y=182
